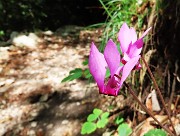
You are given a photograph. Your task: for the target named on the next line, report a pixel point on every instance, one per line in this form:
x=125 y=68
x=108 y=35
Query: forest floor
x=34 y=102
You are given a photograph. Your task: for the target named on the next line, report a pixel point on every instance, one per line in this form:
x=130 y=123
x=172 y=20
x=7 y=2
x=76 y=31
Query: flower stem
x=147 y=111
x=159 y=93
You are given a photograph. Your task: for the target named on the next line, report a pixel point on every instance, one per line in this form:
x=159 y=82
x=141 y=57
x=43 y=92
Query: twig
x=176 y=103
x=173 y=85
x=169 y=83
x=152 y=21
x=159 y=93
x=150 y=113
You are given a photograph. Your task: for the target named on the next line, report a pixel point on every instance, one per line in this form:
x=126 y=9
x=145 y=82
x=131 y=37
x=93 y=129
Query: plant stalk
x=147 y=111
x=159 y=93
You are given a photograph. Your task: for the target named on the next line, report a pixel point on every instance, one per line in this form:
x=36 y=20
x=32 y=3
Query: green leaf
x=111 y=107
x=156 y=132
x=73 y=74
x=124 y=130
x=92 y=117
x=1 y=33
x=102 y=123
x=87 y=73
x=105 y=115
x=97 y=111
x=118 y=47
x=85 y=62
x=107 y=73
x=119 y=120
x=88 y=127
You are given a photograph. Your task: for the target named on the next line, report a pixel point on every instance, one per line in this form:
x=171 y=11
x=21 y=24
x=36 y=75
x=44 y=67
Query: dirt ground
x=33 y=101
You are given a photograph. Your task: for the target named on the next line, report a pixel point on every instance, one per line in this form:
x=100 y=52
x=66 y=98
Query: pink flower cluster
x=98 y=63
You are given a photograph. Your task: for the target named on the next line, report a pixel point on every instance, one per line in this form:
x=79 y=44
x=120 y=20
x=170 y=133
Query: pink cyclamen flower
x=129 y=44
x=98 y=64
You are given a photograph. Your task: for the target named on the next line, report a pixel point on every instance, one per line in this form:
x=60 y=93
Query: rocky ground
x=33 y=101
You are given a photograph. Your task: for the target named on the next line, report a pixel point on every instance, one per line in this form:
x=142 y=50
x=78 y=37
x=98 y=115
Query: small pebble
x=64 y=122
x=49 y=126
x=33 y=124
x=31 y=132
x=78 y=103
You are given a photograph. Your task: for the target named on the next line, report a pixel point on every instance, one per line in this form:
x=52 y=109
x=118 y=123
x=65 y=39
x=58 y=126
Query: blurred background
x=45 y=85
x=45 y=14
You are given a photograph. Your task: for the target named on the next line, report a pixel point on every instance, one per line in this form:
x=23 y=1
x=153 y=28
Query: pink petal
x=128 y=67
x=144 y=34
x=124 y=37
x=97 y=66
x=135 y=49
x=138 y=66
x=125 y=58
x=112 y=87
x=132 y=35
x=112 y=56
